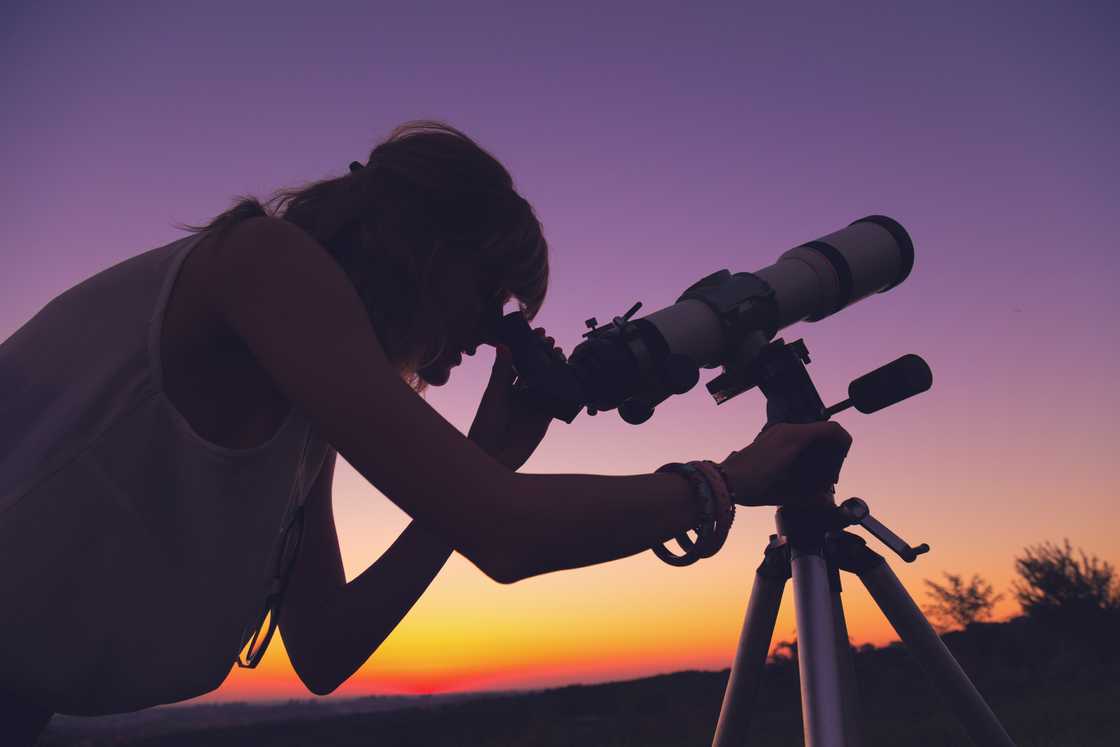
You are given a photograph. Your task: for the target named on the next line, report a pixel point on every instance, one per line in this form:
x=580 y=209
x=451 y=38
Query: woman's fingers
x=773 y=469
x=829 y=430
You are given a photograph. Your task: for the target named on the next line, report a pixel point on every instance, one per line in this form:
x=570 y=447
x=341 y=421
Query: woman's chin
x=439 y=372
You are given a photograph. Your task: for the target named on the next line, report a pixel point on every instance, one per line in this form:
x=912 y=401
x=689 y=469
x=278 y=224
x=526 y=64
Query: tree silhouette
x=1057 y=586
x=959 y=603
x=784 y=652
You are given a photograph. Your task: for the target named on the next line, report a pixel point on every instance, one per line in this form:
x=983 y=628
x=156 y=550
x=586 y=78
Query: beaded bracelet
x=722 y=515
x=725 y=508
x=705 y=525
x=730 y=490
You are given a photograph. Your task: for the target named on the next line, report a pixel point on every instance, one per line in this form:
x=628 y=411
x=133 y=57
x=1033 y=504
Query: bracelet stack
x=716 y=511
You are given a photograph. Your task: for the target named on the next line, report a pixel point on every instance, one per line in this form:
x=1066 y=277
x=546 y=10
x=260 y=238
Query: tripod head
x=791 y=397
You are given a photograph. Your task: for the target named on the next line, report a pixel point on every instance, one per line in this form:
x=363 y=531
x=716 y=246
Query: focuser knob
x=635 y=411
x=679 y=373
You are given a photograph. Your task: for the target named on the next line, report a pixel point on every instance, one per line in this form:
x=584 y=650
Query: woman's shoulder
x=232 y=260
x=260 y=238
x=209 y=376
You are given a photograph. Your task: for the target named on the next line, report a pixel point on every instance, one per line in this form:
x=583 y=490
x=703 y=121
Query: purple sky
x=658 y=143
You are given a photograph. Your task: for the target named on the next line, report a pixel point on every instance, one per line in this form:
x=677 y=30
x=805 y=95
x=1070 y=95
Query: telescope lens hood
x=905 y=245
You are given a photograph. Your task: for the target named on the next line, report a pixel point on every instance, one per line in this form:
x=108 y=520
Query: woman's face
x=470 y=305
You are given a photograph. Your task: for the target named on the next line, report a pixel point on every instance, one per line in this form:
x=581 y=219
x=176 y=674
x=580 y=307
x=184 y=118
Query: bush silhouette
x=1058 y=587
x=960 y=603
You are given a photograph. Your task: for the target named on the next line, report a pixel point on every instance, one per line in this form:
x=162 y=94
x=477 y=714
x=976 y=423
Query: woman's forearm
x=365 y=611
x=558 y=522
x=571 y=521
x=361 y=614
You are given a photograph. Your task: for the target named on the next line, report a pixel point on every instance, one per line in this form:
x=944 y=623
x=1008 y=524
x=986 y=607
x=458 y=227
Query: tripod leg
x=849 y=691
x=754 y=644
x=821 y=710
x=912 y=627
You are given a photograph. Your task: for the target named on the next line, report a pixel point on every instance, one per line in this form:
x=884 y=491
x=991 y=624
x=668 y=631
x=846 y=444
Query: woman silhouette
x=169 y=427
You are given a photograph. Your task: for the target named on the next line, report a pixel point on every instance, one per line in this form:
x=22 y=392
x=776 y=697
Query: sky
x=657 y=142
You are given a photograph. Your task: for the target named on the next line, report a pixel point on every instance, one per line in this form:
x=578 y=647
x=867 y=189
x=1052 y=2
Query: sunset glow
x=657 y=144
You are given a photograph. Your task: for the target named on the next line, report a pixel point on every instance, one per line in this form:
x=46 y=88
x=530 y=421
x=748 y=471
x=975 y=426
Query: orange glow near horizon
x=638 y=617
x=655 y=147
x=631 y=618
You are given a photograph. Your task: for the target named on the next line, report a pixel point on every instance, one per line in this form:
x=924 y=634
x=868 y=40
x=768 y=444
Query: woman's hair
x=427 y=190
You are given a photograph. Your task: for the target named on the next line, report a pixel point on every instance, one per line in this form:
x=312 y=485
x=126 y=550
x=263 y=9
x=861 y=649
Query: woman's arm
x=330 y=627
x=293 y=306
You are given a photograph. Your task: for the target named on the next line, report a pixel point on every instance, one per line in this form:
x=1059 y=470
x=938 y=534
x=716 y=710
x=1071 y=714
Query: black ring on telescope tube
x=905 y=245
x=651 y=336
x=843 y=274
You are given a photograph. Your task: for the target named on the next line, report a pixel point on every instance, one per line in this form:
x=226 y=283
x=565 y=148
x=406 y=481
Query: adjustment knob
x=679 y=373
x=901 y=378
x=635 y=412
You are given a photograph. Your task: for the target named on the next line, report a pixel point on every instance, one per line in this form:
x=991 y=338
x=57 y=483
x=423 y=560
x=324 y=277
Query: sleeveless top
x=133 y=552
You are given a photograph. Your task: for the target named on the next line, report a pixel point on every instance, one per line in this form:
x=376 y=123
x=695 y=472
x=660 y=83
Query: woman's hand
x=773 y=469
x=506 y=426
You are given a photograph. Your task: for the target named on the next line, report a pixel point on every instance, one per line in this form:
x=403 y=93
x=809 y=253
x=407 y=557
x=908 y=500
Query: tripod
x=811 y=547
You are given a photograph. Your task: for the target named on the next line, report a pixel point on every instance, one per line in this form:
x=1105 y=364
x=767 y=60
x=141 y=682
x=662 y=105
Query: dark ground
x=1048 y=688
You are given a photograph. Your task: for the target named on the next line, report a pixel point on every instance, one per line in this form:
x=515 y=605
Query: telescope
x=723 y=320
x=729 y=321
